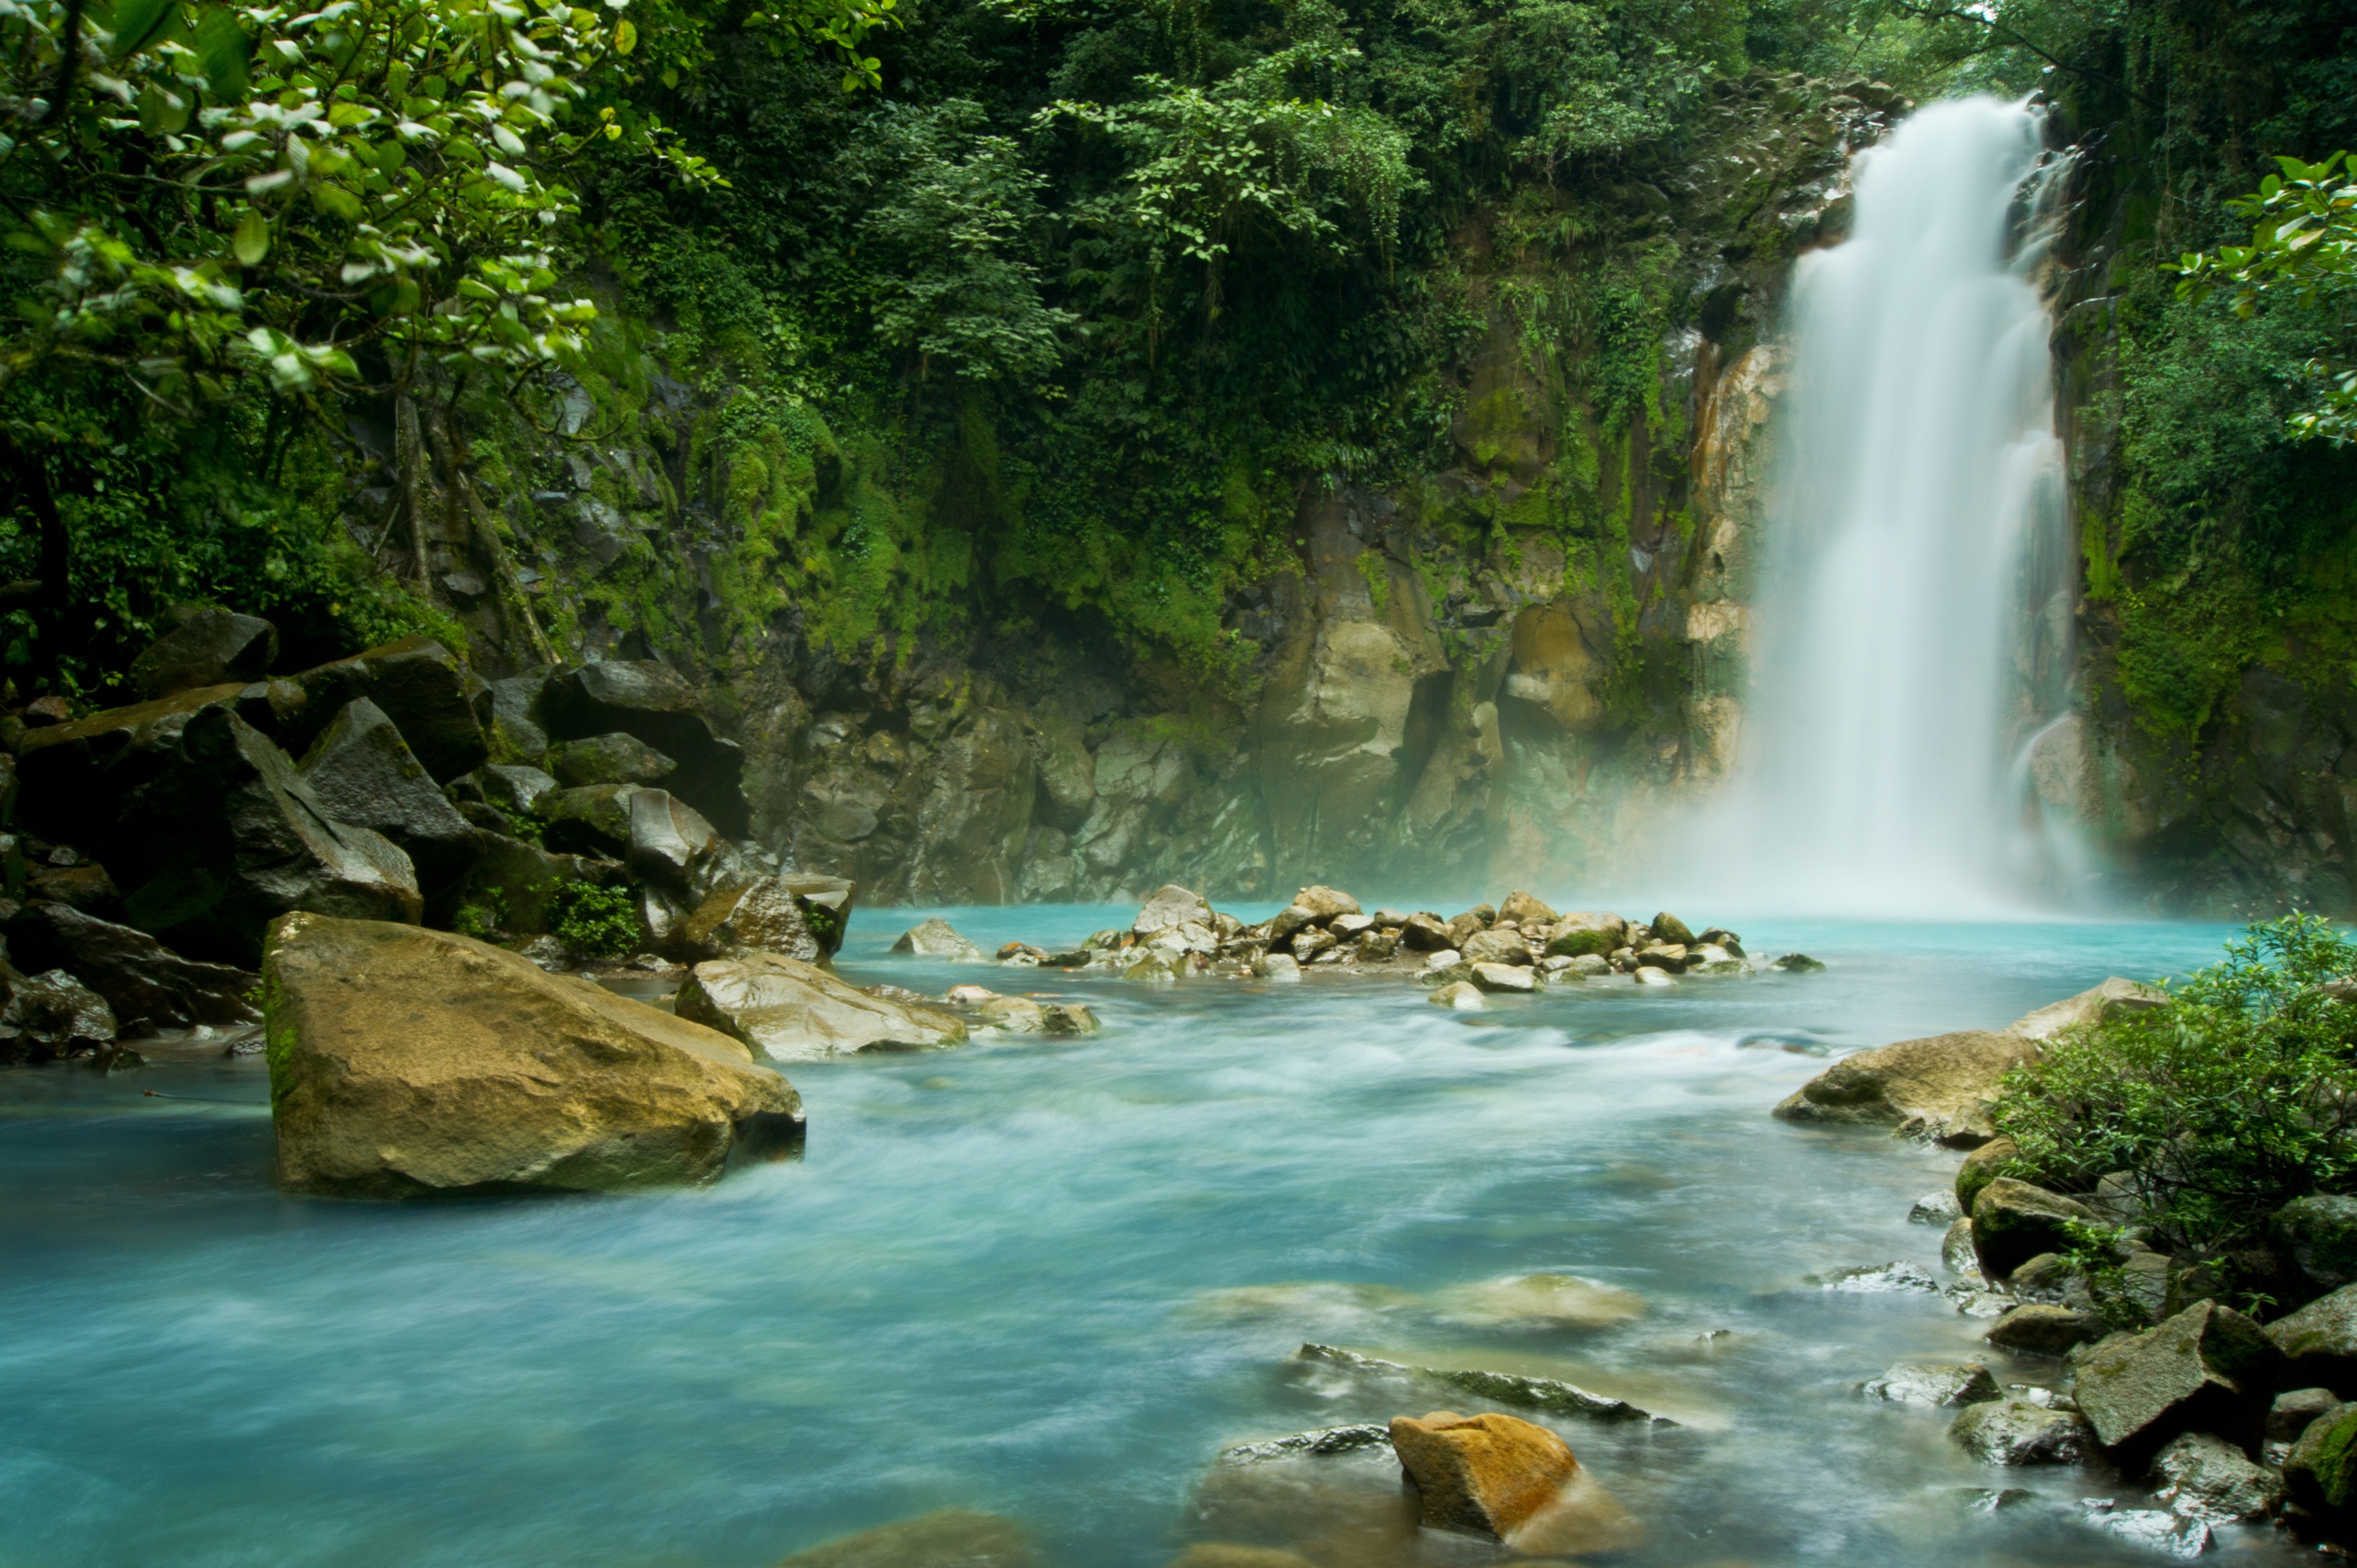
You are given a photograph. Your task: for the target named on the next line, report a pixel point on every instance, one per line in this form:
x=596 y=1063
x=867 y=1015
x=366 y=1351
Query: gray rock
x=2016 y=1432
x=1941 y=1087
x=2209 y=1368
x=2320 y=1472
x=1586 y=934
x=2207 y=1477
x=2170 y=1534
x=1459 y=995
x=1936 y=1209
x=936 y=938
x=2320 y=1342
x=228 y=836
x=1282 y=967
x=654 y=703
x=1935 y=1384
x=762 y=916
x=363 y=773
x=1496 y=946
x=668 y=838
x=205 y=647
x=615 y=758
x=2051 y=1278
x=1876 y=1279
x=2295 y=1408
x=51 y=1016
x=1171 y=909
x=1324 y=903
x=2321 y=1234
x=146 y=984
x=1797 y=963
x=1957 y=1249
x=1067 y=1018
x=592 y=820
x=512 y=787
x=2039 y=1330
x=419 y=685
x=512 y=727
x=1423 y=932
x=786 y=1010
x=1503 y=977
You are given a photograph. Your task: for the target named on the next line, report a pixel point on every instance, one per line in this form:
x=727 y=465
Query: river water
x=1047 y=1280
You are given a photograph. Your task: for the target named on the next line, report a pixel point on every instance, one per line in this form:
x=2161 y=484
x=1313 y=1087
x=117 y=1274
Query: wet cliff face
x=1502 y=669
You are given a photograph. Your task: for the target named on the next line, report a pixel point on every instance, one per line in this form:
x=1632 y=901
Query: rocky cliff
x=1503 y=669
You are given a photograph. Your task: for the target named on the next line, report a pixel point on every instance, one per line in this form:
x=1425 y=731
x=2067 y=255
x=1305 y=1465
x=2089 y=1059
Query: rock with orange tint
x=1487 y=1474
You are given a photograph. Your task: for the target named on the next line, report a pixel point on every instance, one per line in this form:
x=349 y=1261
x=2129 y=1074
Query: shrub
x=2222 y=1107
x=602 y=922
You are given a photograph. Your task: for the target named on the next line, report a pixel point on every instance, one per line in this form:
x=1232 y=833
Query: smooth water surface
x=1031 y=1277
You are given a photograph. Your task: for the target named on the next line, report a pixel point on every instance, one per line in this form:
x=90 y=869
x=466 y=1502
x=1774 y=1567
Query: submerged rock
x=1536 y=1301
x=788 y=1010
x=1941 y=1087
x=1876 y=1279
x=406 y=1062
x=1490 y=1474
x=2170 y=1534
x=1228 y=1555
x=2016 y=1432
x=1324 y=1440
x=1503 y=978
x=1546 y=1394
x=946 y=1538
x=1462 y=996
x=1935 y=1384
x=936 y=938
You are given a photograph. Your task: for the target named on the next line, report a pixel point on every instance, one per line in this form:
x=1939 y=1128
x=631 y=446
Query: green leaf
x=222 y=51
x=626 y=37
x=251 y=241
x=140 y=23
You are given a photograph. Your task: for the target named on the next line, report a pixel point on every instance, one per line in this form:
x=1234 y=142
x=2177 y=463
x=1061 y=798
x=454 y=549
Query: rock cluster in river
x=1512 y=946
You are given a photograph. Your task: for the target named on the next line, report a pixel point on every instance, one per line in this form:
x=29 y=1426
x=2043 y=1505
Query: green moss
x=600 y=922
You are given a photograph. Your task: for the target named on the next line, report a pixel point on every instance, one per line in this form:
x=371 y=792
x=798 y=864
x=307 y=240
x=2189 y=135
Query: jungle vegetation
x=1063 y=304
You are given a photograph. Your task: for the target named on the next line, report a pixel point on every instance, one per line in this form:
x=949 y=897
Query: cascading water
x=1895 y=669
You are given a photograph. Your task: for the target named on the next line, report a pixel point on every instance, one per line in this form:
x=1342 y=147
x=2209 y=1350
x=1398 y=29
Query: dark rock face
x=2320 y=1472
x=72 y=777
x=656 y=703
x=53 y=1015
x=85 y=887
x=363 y=773
x=146 y=984
x=205 y=648
x=515 y=884
x=763 y=916
x=227 y=837
x=513 y=724
x=592 y=820
x=2209 y=1368
x=419 y=685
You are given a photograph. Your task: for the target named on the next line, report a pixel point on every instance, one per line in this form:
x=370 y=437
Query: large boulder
x=1940 y=1088
x=2109 y=1000
x=420 y=684
x=146 y=984
x=72 y=777
x=1171 y=909
x=2319 y=1343
x=2014 y=1222
x=1668 y=928
x=654 y=703
x=1525 y=910
x=1496 y=946
x=228 y=836
x=2320 y=1231
x=205 y=647
x=2209 y=1368
x=1324 y=903
x=594 y=819
x=364 y=773
x=1981 y=1168
x=791 y=1011
x=405 y=1062
x=669 y=840
x=510 y=711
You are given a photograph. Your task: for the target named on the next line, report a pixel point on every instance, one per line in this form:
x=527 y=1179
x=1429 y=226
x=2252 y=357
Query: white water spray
x=1892 y=683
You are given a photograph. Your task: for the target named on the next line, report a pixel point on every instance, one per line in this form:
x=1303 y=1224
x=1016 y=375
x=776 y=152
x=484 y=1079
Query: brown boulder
x=2109 y=1000
x=406 y=1061
x=1489 y=1475
x=762 y=916
x=1525 y=911
x=1325 y=903
x=1940 y=1088
x=1576 y=935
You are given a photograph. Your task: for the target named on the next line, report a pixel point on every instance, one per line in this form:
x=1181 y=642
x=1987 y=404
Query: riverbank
x=1038 y=1277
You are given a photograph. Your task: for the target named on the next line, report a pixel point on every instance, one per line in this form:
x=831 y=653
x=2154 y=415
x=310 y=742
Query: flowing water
x=1049 y=1279
x=1908 y=626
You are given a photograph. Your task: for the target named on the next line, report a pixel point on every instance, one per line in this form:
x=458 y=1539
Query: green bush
x=2238 y=1097
x=602 y=922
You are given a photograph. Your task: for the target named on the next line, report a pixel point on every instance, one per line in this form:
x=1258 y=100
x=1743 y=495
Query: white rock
x=1460 y=994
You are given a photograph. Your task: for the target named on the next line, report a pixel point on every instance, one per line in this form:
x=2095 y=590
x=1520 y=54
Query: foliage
x=602 y=922
x=2237 y=1097
x=2303 y=251
x=483 y=918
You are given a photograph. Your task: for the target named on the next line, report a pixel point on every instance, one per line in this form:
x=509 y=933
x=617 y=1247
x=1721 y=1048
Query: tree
x=2303 y=254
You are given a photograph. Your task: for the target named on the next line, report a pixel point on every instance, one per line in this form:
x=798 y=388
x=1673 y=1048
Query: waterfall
x=1910 y=566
